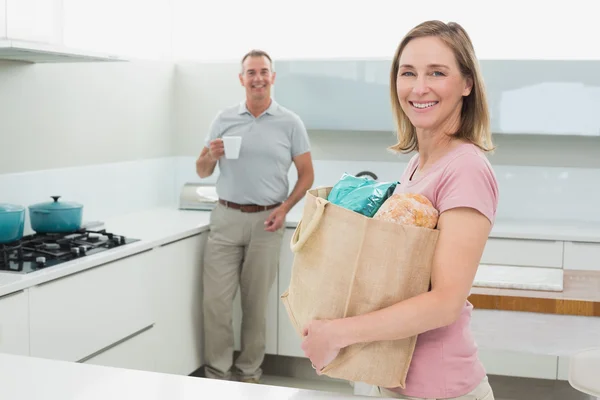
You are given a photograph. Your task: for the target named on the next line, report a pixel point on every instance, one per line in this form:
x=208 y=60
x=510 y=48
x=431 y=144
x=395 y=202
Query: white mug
x=232 y=145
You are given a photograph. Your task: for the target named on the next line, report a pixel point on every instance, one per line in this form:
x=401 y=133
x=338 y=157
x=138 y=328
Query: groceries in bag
x=361 y=194
x=409 y=209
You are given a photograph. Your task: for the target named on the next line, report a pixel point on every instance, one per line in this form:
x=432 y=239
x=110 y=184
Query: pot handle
x=55 y=198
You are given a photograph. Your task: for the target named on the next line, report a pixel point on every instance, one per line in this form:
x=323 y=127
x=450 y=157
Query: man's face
x=257 y=77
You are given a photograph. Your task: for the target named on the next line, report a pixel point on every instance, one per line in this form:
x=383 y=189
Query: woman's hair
x=475 y=118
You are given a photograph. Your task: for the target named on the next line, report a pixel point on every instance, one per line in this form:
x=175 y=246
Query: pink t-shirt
x=445 y=362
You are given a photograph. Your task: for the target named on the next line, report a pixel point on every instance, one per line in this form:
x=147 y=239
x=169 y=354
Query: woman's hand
x=320 y=343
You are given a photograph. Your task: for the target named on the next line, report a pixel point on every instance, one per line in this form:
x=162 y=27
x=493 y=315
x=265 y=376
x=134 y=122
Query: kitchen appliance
x=198 y=196
x=55 y=216
x=38 y=251
x=12 y=222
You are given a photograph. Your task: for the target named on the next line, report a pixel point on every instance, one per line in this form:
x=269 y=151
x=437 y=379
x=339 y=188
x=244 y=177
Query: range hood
x=37 y=52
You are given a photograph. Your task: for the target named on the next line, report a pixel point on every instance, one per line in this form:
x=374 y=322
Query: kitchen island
x=28 y=378
x=110 y=308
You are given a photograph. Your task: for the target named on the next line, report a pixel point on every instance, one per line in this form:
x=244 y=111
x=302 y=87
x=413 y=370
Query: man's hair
x=257 y=53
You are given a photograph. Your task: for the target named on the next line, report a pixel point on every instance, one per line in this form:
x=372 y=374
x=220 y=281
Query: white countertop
x=158 y=226
x=153 y=227
x=27 y=378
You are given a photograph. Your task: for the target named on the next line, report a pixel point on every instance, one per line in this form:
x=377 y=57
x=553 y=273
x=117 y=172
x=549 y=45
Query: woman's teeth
x=424 y=105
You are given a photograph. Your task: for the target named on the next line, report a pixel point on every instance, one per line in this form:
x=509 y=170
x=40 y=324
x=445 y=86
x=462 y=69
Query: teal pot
x=56 y=216
x=12 y=222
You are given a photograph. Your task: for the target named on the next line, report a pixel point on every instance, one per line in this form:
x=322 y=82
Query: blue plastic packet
x=361 y=194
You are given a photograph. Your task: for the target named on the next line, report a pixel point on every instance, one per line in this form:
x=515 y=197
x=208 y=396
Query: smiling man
x=247 y=224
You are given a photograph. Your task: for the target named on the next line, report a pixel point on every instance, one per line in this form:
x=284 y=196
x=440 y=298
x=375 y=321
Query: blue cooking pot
x=56 y=216
x=12 y=222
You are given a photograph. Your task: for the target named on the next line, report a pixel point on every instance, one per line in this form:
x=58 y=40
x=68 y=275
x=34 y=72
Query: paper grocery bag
x=347 y=264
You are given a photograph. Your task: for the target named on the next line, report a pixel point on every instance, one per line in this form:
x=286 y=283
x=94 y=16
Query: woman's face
x=429 y=85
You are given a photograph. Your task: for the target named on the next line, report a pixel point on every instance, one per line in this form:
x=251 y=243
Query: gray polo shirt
x=269 y=142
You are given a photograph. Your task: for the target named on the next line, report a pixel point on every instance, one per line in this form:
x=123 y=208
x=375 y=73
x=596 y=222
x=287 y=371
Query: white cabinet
x=14 y=323
x=133 y=29
x=33 y=20
x=527 y=253
x=511 y=363
x=176 y=274
x=582 y=256
x=134 y=352
x=78 y=315
x=289 y=340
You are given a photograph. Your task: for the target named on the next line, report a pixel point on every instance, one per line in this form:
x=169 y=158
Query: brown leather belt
x=248 y=208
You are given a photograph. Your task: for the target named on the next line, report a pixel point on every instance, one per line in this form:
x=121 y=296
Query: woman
x=441 y=111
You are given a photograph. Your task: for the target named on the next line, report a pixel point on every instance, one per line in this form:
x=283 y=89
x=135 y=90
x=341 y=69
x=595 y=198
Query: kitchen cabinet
x=176 y=294
x=14 y=323
x=289 y=340
x=33 y=20
x=80 y=314
x=582 y=256
x=135 y=352
x=517 y=364
x=132 y=29
x=526 y=253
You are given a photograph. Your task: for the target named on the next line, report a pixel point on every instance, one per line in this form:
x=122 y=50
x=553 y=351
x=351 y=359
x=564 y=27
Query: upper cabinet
x=548 y=97
x=32 y=31
x=33 y=20
x=134 y=29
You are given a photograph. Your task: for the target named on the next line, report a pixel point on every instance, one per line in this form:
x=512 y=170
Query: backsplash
x=526 y=193
x=105 y=190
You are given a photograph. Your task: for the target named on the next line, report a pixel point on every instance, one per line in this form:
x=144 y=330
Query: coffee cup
x=232 y=145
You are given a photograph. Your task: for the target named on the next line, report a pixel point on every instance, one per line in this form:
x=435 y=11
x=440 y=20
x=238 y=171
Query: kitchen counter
x=159 y=226
x=154 y=227
x=27 y=378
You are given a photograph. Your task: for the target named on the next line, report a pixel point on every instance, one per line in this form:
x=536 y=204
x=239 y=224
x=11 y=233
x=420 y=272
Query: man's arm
x=205 y=165
x=306 y=177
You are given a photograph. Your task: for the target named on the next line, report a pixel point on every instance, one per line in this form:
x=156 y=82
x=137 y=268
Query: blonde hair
x=475 y=118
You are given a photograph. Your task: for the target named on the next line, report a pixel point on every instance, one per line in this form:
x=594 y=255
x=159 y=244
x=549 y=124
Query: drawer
x=78 y=315
x=517 y=364
x=523 y=252
x=582 y=256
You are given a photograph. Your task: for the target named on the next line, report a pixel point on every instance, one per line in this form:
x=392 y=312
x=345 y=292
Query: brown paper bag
x=347 y=264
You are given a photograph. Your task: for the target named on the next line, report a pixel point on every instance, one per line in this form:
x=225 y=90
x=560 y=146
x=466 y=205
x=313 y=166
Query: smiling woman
x=441 y=111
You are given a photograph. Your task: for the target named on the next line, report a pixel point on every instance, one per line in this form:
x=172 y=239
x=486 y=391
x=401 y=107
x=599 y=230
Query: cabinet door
x=14 y=324
x=35 y=20
x=134 y=352
x=2 y=19
x=77 y=315
x=289 y=341
x=337 y=94
x=177 y=303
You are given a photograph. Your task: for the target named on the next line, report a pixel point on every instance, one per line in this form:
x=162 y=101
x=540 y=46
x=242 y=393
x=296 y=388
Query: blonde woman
x=441 y=111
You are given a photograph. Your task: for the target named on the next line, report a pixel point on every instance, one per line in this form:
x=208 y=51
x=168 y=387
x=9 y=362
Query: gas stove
x=35 y=252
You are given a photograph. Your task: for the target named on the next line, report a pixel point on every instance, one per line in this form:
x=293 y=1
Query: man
x=247 y=225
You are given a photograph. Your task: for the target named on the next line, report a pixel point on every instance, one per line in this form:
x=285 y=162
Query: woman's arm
x=462 y=238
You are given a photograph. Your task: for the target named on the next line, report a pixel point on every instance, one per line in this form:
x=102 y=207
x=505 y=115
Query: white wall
x=97 y=133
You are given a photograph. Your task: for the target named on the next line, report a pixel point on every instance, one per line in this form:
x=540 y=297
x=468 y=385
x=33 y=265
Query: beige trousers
x=482 y=392
x=239 y=253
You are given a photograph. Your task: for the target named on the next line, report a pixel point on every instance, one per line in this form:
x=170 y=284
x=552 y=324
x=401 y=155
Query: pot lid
x=56 y=205
x=5 y=207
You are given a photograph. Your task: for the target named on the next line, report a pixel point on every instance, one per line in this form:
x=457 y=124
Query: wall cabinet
x=32 y=20
x=14 y=323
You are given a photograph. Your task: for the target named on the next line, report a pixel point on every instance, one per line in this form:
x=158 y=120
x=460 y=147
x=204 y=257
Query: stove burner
x=38 y=251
